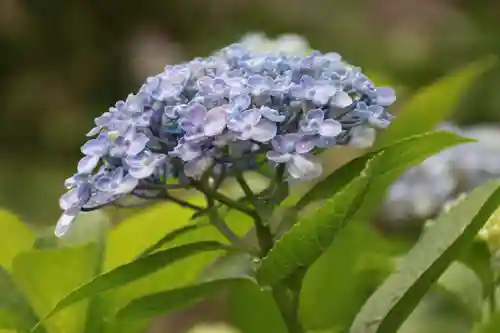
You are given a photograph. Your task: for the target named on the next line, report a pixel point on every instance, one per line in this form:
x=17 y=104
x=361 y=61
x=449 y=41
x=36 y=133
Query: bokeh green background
x=63 y=62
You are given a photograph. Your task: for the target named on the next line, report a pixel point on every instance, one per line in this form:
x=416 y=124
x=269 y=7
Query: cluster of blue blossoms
x=206 y=114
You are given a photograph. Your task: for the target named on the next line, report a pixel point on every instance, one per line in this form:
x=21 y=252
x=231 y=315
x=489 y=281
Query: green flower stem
x=224 y=200
x=263 y=232
x=221 y=225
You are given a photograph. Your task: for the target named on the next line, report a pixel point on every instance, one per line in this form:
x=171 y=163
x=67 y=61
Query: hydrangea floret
x=220 y=116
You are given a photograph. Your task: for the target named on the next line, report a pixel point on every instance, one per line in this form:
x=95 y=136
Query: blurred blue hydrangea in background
x=425 y=189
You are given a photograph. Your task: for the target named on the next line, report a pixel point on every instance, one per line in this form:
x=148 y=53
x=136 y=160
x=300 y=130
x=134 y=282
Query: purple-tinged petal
x=240 y=102
x=215 y=121
x=196 y=114
x=137 y=144
x=272 y=114
x=127 y=185
x=323 y=93
x=187 y=152
x=385 y=96
x=94 y=131
x=279 y=157
x=235 y=123
x=305 y=144
x=378 y=123
x=104 y=184
x=251 y=117
x=300 y=167
x=95 y=147
x=285 y=143
x=87 y=164
x=330 y=128
x=341 y=100
x=264 y=131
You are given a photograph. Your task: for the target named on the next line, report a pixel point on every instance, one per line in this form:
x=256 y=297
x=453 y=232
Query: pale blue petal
x=87 y=164
x=264 y=131
x=137 y=144
x=215 y=121
x=64 y=222
x=341 y=100
x=330 y=128
x=385 y=96
x=251 y=117
x=272 y=114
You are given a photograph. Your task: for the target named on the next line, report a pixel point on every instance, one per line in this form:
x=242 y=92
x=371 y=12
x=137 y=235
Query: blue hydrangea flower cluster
x=423 y=190
x=233 y=106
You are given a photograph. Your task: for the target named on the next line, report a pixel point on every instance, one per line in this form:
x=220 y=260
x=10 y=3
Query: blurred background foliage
x=65 y=62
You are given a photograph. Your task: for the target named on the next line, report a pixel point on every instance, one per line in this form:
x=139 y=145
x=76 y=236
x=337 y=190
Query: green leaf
x=491 y=326
x=15 y=311
x=437 y=313
x=45 y=276
x=433 y=104
x=171 y=236
x=478 y=258
x=132 y=271
x=312 y=235
x=253 y=310
x=460 y=284
x=138 y=312
x=141 y=231
x=390 y=305
x=359 y=260
x=397 y=158
x=15 y=238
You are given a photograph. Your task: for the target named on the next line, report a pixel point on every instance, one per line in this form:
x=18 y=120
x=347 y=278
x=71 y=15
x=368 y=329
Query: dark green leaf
x=490 y=326
x=397 y=158
x=15 y=311
x=138 y=312
x=312 y=235
x=253 y=310
x=442 y=243
x=433 y=104
x=45 y=276
x=134 y=270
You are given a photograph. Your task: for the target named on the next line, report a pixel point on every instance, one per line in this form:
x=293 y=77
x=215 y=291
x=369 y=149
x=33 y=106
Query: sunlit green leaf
x=134 y=270
x=138 y=312
x=253 y=310
x=15 y=237
x=433 y=104
x=45 y=276
x=312 y=234
x=153 y=225
x=442 y=243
